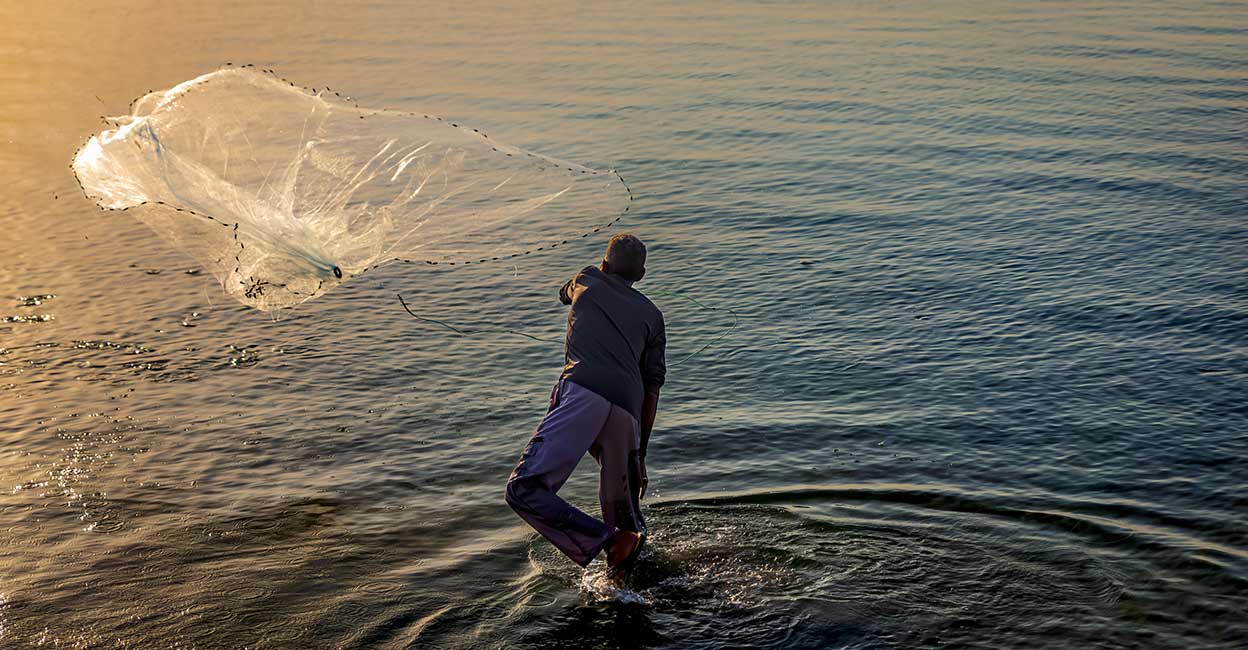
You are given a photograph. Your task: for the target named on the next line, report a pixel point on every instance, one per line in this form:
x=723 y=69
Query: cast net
x=284 y=192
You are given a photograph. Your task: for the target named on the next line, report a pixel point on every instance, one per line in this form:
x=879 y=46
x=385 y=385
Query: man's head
x=625 y=257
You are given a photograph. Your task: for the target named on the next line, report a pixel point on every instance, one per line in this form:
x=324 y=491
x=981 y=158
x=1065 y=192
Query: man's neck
x=620 y=279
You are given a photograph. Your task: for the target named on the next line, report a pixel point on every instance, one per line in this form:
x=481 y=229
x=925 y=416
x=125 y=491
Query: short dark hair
x=626 y=256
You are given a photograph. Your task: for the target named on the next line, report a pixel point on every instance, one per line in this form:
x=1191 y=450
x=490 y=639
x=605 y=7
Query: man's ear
x=643 y=274
x=606 y=268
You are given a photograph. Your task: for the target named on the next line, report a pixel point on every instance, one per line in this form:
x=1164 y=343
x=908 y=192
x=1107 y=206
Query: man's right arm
x=568 y=291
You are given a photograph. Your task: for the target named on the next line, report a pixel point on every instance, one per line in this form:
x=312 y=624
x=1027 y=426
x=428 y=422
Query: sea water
x=986 y=387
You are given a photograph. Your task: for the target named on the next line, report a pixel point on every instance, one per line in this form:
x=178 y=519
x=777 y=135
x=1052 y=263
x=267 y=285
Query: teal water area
x=985 y=388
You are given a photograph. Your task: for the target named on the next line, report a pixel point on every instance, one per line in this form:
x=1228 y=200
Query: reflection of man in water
x=605 y=404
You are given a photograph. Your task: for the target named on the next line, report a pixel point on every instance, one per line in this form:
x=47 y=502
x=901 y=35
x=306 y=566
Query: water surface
x=985 y=389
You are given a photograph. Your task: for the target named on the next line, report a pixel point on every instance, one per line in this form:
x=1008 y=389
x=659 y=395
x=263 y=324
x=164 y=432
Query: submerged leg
x=565 y=434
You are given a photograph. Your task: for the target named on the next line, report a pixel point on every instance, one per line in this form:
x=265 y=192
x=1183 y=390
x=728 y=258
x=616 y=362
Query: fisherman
x=604 y=403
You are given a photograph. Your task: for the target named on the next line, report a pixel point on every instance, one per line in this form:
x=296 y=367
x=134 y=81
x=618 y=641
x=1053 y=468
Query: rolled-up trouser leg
x=570 y=428
x=617 y=451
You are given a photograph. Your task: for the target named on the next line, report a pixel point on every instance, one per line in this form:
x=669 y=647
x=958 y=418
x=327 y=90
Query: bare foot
x=622 y=546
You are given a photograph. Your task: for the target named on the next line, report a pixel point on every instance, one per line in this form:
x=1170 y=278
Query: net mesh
x=284 y=192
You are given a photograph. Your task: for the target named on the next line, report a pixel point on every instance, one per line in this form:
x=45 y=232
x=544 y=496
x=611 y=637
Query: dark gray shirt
x=616 y=340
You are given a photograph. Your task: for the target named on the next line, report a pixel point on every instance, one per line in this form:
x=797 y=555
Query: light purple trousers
x=578 y=421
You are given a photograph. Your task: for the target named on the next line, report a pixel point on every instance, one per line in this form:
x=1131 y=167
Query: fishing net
x=284 y=192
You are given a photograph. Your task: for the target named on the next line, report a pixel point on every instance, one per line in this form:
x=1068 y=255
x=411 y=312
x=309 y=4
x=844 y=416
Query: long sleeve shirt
x=616 y=339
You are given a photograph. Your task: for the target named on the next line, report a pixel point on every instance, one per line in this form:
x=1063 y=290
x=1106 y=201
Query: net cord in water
x=673 y=294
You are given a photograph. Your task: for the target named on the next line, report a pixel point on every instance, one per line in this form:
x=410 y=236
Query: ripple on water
x=258 y=524
x=263 y=623
x=105 y=526
x=382 y=587
x=248 y=593
x=822 y=568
